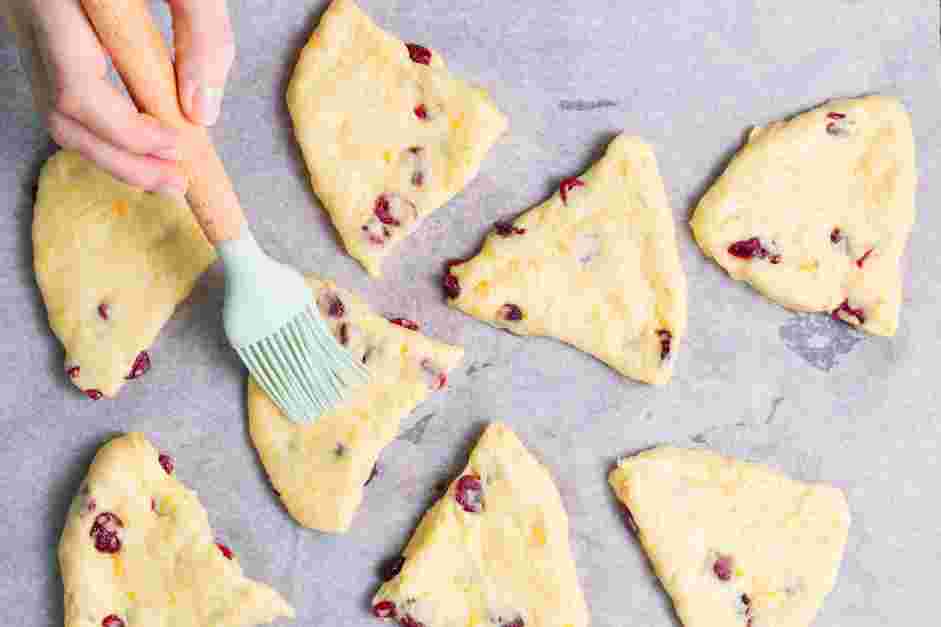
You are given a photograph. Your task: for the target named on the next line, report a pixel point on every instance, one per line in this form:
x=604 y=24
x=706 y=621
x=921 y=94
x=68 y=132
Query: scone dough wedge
x=112 y=263
x=735 y=544
x=595 y=266
x=137 y=551
x=493 y=552
x=388 y=134
x=814 y=212
x=320 y=469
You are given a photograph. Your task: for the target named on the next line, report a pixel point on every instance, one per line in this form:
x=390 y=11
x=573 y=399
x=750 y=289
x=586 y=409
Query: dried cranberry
x=140 y=366
x=384 y=609
x=411 y=325
x=844 y=307
x=393 y=568
x=421 y=112
x=166 y=462
x=862 y=260
x=452 y=286
x=94 y=394
x=630 y=522
x=723 y=567
x=438 y=378
x=568 y=185
x=376 y=232
x=112 y=620
x=749 y=249
x=330 y=304
x=372 y=474
x=415 y=155
x=510 y=312
x=837 y=126
x=106 y=532
x=408 y=621
x=392 y=210
x=72 y=371
x=836 y=235
x=419 y=54
x=468 y=493
x=666 y=340
x=506 y=229
x=104 y=310
x=226 y=551
x=384 y=212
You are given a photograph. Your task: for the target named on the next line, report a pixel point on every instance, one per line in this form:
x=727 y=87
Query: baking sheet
x=798 y=392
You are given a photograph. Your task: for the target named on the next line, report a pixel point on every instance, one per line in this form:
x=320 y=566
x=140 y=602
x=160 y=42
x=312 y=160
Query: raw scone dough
x=735 y=544
x=320 y=469
x=815 y=212
x=388 y=134
x=137 y=551
x=493 y=552
x=112 y=262
x=595 y=266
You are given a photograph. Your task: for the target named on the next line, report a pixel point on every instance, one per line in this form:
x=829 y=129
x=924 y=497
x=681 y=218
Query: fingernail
x=168 y=189
x=207 y=104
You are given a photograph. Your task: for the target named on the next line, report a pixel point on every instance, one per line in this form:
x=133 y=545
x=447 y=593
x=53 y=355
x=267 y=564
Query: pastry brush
x=270 y=314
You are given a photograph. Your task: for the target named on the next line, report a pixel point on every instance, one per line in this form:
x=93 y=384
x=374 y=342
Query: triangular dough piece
x=388 y=134
x=815 y=212
x=320 y=469
x=595 y=266
x=493 y=552
x=735 y=544
x=137 y=551
x=112 y=262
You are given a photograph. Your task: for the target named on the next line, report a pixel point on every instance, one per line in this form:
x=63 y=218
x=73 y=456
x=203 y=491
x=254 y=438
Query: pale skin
x=85 y=112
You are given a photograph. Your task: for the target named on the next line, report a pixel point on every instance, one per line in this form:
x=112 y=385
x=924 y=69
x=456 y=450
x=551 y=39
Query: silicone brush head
x=273 y=323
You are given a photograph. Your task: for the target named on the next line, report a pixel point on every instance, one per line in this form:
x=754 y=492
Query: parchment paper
x=798 y=392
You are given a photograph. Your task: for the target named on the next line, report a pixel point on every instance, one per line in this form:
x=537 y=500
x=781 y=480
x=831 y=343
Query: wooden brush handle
x=128 y=32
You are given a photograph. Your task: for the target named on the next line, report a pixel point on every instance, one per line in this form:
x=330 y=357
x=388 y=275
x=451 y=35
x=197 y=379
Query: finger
x=144 y=172
x=110 y=115
x=205 y=49
x=77 y=66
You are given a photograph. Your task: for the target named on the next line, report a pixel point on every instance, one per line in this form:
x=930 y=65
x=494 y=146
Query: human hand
x=86 y=113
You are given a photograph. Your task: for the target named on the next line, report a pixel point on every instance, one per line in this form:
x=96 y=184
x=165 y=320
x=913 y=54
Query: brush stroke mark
x=475 y=368
x=415 y=433
x=774 y=409
x=819 y=340
x=586 y=105
x=703 y=437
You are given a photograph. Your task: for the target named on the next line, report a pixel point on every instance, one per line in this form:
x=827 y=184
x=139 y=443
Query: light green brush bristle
x=272 y=321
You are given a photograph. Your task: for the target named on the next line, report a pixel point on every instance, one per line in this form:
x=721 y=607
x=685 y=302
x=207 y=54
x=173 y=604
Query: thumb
x=205 y=49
